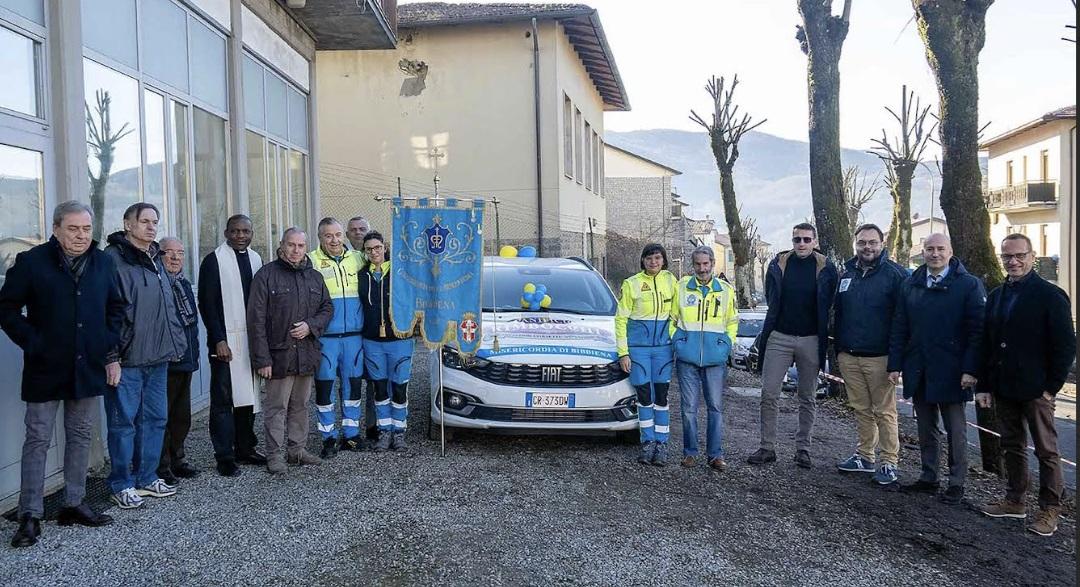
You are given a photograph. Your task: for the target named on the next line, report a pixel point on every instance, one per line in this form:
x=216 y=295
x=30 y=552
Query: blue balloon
x=535 y=306
x=529 y=297
x=527 y=251
x=541 y=290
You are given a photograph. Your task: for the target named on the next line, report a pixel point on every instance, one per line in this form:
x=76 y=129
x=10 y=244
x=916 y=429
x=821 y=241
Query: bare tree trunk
x=740 y=244
x=900 y=235
x=953 y=32
x=821 y=37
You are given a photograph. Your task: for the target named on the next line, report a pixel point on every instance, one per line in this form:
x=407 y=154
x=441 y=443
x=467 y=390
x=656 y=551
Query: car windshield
x=572 y=290
x=750 y=326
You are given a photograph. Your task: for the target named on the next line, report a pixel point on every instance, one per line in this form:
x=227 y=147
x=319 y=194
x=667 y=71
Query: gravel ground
x=553 y=510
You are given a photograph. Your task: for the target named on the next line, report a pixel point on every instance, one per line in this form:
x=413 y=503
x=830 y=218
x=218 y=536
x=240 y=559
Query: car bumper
x=489 y=406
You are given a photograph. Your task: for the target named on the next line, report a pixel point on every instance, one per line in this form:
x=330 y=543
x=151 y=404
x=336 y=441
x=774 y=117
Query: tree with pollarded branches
x=857 y=194
x=762 y=254
x=102 y=141
x=725 y=130
x=821 y=37
x=953 y=33
x=901 y=156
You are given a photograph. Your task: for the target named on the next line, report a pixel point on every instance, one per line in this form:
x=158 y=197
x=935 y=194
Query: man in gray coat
x=152 y=335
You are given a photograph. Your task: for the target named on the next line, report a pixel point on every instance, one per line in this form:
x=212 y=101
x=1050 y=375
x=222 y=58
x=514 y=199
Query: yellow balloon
x=546 y=301
x=508 y=251
x=524 y=304
x=530 y=287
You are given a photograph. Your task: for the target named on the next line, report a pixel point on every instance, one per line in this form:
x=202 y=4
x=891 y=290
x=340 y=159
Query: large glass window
x=257 y=195
x=113 y=152
x=568 y=137
x=108 y=27
x=164 y=41
x=276 y=191
x=18 y=73
x=577 y=144
x=298 y=201
x=277 y=113
x=22 y=195
x=211 y=178
x=208 y=66
x=180 y=182
x=298 y=122
x=154 y=176
x=33 y=10
x=253 y=93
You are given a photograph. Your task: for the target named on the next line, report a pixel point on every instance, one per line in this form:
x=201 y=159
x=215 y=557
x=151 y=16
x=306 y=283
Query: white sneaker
x=159 y=488
x=127 y=499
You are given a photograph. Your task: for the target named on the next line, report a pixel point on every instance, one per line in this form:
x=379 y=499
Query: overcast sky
x=665 y=50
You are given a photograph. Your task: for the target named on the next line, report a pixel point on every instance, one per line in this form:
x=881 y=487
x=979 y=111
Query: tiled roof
x=581 y=23
x=1064 y=113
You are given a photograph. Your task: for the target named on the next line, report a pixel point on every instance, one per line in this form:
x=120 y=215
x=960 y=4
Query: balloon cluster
x=535 y=297
x=510 y=252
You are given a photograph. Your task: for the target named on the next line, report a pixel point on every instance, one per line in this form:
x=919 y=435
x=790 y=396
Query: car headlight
x=454 y=360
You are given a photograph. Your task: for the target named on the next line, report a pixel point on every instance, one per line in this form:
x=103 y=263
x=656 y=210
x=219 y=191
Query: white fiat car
x=552 y=370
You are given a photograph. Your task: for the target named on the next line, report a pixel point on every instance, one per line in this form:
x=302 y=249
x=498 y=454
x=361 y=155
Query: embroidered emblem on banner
x=437 y=236
x=468 y=330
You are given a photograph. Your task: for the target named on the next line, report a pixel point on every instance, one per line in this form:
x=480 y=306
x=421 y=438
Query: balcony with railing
x=1031 y=194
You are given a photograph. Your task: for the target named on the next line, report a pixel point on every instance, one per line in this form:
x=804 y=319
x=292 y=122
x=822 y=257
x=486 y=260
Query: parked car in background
x=750 y=324
x=791 y=378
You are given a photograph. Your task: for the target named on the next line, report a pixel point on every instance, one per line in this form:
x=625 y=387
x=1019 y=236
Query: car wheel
x=434 y=434
x=629 y=437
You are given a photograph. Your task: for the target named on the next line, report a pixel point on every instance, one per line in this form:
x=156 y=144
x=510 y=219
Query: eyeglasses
x=1005 y=258
x=373 y=249
x=802 y=239
x=174 y=253
x=867 y=243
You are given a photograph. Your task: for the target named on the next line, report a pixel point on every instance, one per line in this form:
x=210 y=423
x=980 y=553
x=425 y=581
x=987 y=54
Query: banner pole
x=442 y=408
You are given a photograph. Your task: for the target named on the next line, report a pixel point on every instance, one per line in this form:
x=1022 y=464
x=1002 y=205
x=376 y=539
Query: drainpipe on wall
x=539 y=169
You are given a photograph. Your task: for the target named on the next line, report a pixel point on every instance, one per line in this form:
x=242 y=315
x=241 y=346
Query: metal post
x=442 y=408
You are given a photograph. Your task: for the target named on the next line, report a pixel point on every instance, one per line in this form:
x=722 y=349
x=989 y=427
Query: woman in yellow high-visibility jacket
x=643 y=337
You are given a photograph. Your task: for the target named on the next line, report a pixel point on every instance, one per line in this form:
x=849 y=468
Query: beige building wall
x=620 y=164
x=476 y=107
x=1053 y=223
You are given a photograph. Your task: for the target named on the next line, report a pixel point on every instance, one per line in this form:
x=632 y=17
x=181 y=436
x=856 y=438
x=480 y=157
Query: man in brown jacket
x=288 y=310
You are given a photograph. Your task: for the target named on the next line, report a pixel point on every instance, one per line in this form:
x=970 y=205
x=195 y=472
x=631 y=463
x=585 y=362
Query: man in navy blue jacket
x=935 y=342
x=864 y=307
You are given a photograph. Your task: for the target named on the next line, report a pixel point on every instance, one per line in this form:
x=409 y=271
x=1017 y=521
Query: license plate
x=549 y=400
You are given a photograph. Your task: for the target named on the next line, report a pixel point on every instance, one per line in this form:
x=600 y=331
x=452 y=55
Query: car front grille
x=578 y=416
x=524 y=375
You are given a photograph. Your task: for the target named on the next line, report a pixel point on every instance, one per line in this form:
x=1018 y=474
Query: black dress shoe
x=252 y=458
x=185 y=471
x=83 y=516
x=921 y=486
x=28 y=532
x=953 y=494
x=169 y=478
x=228 y=469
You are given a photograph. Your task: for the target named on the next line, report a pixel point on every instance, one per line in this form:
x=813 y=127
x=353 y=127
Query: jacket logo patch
x=691 y=300
x=645 y=287
x=845 y=284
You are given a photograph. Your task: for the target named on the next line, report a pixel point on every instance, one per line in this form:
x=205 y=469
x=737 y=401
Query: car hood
x=548 y=338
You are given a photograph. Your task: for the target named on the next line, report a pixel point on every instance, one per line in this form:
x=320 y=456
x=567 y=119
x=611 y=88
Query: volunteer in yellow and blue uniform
x=342 y=345
x=706 y=323
x=387 y=358
x=643 y=337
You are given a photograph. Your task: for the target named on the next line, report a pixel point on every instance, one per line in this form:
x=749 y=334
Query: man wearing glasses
x=865 y=301
x=799 y=288
x=178 y=381
x=1028 y=347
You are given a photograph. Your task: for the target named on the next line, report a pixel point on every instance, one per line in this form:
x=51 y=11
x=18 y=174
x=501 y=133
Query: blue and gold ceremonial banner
x=436 y=257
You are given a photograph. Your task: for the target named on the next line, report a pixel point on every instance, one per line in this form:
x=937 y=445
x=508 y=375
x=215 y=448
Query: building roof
x=722 y=239
x=581 y=23
x=645 y=159
x=1065 y=113
x=916 y=220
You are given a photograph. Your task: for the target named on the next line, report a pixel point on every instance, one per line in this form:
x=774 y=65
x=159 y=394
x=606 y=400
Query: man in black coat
x=74 y=312
x=935 y=342
x=1028 y=347
x=224 y=286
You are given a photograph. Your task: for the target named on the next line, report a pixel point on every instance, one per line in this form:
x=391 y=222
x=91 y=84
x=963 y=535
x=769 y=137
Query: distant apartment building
x=465 y=93
x=1031 y=189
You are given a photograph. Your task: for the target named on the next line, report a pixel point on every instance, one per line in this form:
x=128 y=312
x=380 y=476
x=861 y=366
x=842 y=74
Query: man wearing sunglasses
x=799 y=287
x=1028 y=346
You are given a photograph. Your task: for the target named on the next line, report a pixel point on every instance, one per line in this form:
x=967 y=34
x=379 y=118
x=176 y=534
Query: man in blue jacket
x=799 y=286
x=935 y=342
x=865 y=303
x=74 y=312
